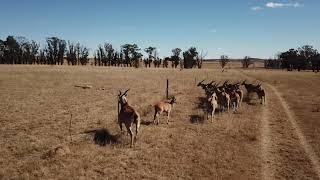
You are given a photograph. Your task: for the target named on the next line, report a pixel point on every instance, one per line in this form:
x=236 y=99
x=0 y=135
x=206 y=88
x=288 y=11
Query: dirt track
x=285 y=150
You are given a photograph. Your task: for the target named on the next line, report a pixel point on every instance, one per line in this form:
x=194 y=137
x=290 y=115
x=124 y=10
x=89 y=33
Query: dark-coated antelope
x=249 y=87
x=257 y=89
x=128 y=115
x=261 y=94
x=163 y=106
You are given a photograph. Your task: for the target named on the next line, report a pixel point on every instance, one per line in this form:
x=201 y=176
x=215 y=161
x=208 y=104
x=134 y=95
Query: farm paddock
x=37 y=104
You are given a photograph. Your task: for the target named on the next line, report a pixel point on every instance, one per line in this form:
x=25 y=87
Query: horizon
x=259 y=29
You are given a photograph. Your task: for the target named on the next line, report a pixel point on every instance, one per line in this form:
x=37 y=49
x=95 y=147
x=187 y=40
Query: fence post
x=167 y=91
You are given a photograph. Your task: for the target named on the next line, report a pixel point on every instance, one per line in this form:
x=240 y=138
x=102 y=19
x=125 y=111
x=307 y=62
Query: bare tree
x=200 y=58
x=246 y=62
x=224 y=60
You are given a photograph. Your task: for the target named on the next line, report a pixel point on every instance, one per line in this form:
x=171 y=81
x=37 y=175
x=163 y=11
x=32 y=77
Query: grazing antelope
x=257 y=89
x=128 y=115
x=249 y=87
x=213 y=101
x=163 y=106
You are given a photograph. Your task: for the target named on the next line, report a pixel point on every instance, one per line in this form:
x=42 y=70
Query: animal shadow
x=203 y=103
x=103 y=137
x=146 y=123
x=197 y=119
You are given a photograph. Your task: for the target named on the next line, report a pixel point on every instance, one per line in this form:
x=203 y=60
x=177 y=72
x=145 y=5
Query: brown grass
x=35 y=107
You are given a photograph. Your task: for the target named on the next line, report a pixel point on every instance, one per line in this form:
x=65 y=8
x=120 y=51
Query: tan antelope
x=163 y=106
x=213 y=101
x=240 y=92
x=128 y=115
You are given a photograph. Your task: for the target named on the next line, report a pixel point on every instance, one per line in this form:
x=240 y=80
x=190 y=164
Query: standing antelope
x=128 y=115
x=239 y=91
x=213 y=100
x=261 y=94
x=163 y=106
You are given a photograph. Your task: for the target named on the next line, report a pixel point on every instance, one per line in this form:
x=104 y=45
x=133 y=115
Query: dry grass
x=36 y=103
x=301 y=90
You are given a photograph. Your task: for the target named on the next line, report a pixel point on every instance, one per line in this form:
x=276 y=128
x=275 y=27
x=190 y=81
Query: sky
x=237 y=28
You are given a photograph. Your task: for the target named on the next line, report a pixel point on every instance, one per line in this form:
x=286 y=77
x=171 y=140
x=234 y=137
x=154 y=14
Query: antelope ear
x=119 y=93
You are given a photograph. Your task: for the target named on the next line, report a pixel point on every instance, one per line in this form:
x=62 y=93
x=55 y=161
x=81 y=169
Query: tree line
x=56 y=51
x=303 y=58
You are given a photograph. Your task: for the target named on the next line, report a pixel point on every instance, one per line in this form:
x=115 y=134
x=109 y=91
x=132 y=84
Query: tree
x=11 y=50
x=165 y=62
x=189 y=57
x=306 y=52
x=131 y=54
x=246 y=62
x=200 y=58
x=71 y=54
x=224 y=60
x=2 y=52
x=84 y=53
x=151 y=51
x=315 y=62
x=100 y=55
x=289 y=59
x=34 y=50
x=109 y=53
x=55 y=50
x=175 y=58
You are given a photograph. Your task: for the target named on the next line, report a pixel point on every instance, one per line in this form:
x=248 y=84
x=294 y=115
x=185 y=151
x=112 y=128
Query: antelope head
x=123 y=97
x=173 y=100
x=201 y=83
x=244 y=82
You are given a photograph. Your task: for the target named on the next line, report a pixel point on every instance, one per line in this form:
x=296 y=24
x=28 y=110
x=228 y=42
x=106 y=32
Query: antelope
x=249 y=87
x=234 y=99
x=128 y=115
x=261 y=94
x=257 y=89
x=213 y=100
x=223 y=98
x=163 y=106
x=240 y=92
x=235 y=94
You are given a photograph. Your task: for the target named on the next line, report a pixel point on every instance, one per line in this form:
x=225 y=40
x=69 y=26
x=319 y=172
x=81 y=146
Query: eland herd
x=222 y=97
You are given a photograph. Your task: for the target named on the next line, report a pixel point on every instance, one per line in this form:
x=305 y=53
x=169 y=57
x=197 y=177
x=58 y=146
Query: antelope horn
x=201 y=81
x=126 y=91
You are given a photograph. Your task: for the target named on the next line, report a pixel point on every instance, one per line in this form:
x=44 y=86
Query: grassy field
x=279 y=140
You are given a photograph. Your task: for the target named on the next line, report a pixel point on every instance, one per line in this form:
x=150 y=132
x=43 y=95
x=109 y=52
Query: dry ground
x=279 y=140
